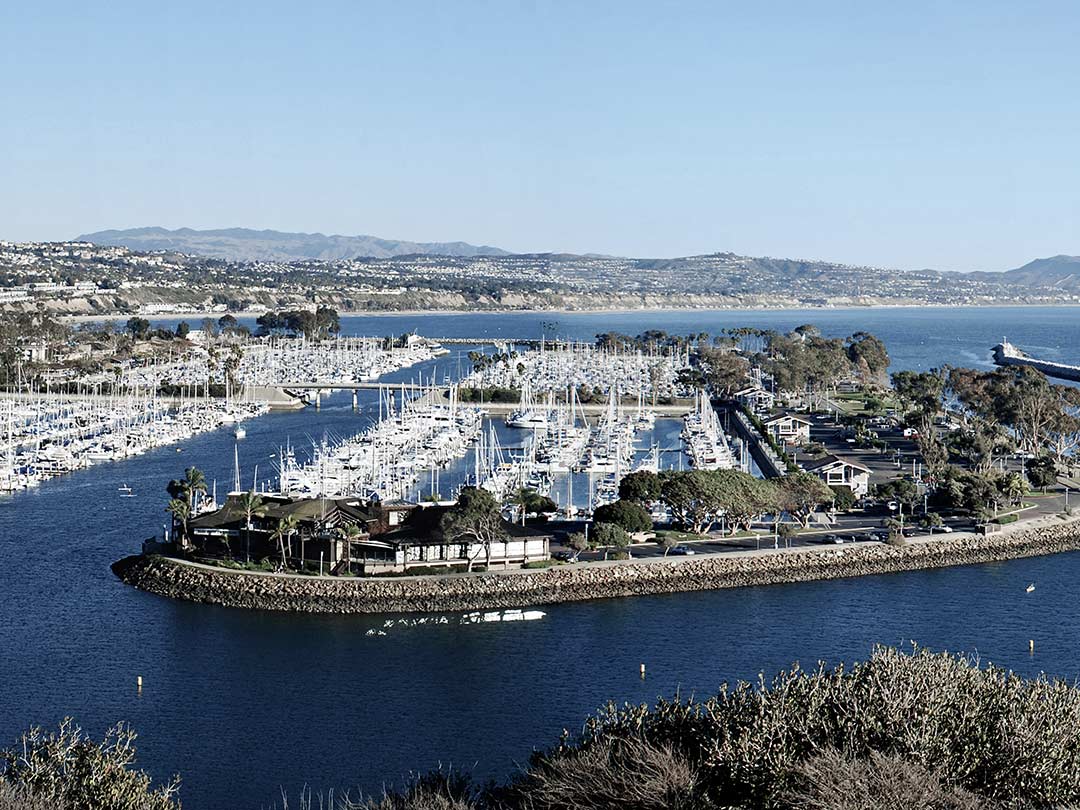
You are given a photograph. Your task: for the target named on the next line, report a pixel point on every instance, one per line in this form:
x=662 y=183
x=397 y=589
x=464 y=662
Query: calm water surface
x=240 y=702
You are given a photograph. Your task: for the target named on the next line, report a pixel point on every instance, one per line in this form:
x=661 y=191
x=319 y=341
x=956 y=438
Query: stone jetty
x=594 y=580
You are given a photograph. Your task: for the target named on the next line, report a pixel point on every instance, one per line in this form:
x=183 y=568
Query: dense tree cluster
x=21 y=330
x=650 y=340
x=993 y=414
x=698 y=499
x=323 y=322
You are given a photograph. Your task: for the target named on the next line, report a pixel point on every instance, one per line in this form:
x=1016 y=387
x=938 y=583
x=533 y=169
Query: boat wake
x=476 y=617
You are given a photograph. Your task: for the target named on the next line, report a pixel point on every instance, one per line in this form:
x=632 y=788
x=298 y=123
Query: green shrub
x=540 y=564
x=843 y=497
x=1003 y=519
x=628 y=515
x=608 y=534
x=611 y=773
x=985 y=730
x=19 y=798
x=67 y=769
x=832 y=781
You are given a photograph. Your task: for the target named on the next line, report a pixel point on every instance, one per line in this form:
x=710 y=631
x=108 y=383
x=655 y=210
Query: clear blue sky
x=909 y=134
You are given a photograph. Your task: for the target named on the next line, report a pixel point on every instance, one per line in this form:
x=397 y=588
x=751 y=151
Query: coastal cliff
x=600 y=580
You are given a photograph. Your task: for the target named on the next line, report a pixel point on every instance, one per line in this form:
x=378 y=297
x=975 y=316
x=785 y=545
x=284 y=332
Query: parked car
x=682 y=551
x=565 y=556
x=834 y=538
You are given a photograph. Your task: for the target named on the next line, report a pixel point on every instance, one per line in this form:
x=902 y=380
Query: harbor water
x=242 y=704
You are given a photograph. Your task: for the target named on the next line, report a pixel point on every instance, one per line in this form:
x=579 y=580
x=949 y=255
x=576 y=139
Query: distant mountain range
x=244 y=244
x=1056 y=271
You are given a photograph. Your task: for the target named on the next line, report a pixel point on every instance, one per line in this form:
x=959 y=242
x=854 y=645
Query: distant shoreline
x=598 y=311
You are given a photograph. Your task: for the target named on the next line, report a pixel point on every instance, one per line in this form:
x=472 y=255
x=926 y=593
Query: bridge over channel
x=440 y=395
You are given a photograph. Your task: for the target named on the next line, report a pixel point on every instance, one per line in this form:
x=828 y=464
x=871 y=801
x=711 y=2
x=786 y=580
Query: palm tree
x=523 y=499
x=349 y=532
x=1015 y=487
x=284 y=531
x=193 y=482
x=180 y=512
x=253 y=506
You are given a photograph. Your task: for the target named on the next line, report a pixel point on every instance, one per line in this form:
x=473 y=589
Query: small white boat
x=1030 y=587
x=240 y=432
x=125 y=491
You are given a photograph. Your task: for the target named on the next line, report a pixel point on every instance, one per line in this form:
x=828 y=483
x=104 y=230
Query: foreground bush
x=984 y=730
x=64 y=769
x=915 y=731
x=831 y=781
x=903 y=731
x=19 y=798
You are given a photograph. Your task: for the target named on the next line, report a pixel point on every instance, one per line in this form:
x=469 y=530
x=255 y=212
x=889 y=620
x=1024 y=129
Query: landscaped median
x=593 y=580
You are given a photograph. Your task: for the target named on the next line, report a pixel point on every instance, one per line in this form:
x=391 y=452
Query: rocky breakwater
x=597 y=580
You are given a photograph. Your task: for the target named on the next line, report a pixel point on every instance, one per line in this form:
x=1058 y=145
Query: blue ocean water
x=242 y=703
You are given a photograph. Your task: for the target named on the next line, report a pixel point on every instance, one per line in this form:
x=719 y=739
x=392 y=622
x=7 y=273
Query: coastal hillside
x=245 y=244
x=1056 y=271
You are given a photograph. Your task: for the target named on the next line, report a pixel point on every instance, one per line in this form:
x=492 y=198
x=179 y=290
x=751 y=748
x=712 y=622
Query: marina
x=539 y=406
x=65 y=582
x=45 y=437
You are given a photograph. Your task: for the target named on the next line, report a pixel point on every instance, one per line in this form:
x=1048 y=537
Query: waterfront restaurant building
x=394 y=539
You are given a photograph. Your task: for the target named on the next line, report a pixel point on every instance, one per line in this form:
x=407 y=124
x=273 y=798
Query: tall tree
x=869 y=357
x=474 y=518
x=253 y=506
x=350 y=532
x=642 y=487
x=181 y=513
x=626 y=514
x=725 y=372
x=283 y=535
x=693 y=498
x=800 y=494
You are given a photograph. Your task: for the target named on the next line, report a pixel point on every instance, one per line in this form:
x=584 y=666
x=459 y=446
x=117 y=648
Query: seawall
x=597 y=580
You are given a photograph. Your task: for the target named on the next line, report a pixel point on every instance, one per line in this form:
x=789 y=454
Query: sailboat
x=125 y=491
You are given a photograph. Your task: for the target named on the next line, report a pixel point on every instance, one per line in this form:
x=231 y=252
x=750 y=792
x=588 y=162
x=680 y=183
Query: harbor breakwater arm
x=584 y=581
x=1005 y=354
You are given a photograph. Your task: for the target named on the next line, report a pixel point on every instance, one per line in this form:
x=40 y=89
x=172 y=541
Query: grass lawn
x=690 y=537
x=854 y=404
x=682 y=537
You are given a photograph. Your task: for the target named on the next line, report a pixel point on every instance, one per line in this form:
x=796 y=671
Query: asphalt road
x=850 y=528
